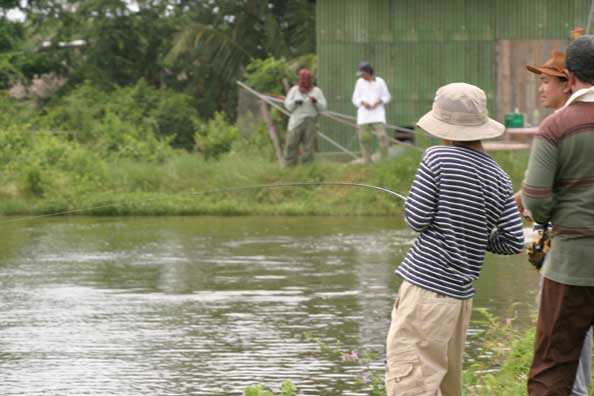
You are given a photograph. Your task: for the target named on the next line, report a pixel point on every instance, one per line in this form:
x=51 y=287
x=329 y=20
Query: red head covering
x=305 y=83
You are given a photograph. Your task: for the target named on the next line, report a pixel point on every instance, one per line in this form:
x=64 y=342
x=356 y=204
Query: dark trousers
x=565 y=315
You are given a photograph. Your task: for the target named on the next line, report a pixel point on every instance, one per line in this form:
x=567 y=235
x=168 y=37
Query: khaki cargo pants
x=425 y=343
x=365 y=133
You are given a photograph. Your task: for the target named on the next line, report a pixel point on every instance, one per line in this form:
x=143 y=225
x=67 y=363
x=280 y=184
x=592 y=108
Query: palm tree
x=229 y=33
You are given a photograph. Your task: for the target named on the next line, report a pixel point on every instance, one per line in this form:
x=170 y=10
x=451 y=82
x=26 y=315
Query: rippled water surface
x=208 y=306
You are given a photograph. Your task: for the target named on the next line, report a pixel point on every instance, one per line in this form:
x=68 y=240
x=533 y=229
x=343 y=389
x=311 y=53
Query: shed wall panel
x=419 y=45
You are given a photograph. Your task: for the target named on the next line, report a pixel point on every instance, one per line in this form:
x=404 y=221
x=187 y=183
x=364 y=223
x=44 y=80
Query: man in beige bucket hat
x=462 y=204
x=460 y=114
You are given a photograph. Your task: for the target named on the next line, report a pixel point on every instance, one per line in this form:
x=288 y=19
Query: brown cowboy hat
x=553 y=66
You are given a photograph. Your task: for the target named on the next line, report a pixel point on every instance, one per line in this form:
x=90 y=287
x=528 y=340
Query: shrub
x=176 y=118
x=118 y=138
x=136 y=102
x=266 y=75
x=258 y=142
x=78 y=112
x=34 y=180
x=13 y=142
x=216 y=137
x=287 y=389
x=164 y=114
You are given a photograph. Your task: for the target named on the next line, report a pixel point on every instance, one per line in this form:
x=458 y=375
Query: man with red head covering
x=304 y=101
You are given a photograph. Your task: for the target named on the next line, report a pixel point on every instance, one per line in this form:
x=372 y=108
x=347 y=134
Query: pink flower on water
x=350 y=357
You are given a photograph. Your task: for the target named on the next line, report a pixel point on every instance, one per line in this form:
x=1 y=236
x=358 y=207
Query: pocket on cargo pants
x=404 y=374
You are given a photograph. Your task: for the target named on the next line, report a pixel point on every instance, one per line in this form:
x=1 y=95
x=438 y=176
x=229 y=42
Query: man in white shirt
x=370 y=96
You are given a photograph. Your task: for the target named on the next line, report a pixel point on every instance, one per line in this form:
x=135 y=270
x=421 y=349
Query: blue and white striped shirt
x=462 y=204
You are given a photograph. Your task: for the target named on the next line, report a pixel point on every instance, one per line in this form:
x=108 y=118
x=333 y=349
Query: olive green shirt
x=559 y=187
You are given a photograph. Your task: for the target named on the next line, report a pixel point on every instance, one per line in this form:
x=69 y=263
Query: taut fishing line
x=214 y=191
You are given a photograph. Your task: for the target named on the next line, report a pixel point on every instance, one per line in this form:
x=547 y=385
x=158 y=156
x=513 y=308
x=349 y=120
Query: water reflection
x=206 y=306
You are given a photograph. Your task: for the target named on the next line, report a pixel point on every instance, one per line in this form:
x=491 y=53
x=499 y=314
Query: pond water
x=210 y=305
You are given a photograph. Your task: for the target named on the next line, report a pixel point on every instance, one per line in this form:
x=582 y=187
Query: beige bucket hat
x=460 y=114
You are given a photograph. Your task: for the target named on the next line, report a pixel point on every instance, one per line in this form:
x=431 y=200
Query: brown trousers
x=565 y=315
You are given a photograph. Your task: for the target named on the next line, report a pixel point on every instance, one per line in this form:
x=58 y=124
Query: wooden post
x=271 y=131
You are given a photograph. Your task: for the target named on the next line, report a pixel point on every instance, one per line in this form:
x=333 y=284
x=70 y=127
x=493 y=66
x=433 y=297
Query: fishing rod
x=303 y=184
x=216 y=191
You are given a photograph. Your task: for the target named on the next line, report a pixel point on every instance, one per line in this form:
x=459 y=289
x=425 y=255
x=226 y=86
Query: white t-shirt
x=370 y=92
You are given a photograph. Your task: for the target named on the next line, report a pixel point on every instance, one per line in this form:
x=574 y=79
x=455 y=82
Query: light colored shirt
x=371 y=92
x=582 y=95
x=462 y=204
x=300 y=112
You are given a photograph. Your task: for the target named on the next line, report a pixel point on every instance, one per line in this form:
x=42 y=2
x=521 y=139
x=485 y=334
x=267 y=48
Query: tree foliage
x=198 y=48
x=127 y=76
x=224 y=36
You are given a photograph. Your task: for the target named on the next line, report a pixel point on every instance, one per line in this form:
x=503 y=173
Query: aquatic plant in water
x=287 y=389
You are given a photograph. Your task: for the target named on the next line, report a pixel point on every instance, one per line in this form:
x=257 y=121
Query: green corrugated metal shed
x=420 y=45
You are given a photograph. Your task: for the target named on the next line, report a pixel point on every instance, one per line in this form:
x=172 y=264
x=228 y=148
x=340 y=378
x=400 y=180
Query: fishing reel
x=540 y=246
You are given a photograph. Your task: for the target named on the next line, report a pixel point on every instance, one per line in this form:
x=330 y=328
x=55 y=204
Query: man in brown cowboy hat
x=462 y=204
x=559 y=188
x=552 y=87
x=554 y=92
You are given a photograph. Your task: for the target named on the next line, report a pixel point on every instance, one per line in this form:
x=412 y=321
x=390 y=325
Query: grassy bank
x=510 y=354
x=504 y=374
x=119 y=152
x=131 y=187
x=510 y=378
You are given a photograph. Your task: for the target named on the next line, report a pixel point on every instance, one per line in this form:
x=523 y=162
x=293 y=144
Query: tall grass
x=134 y=187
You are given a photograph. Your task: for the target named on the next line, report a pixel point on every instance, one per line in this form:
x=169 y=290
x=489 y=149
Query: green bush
x=118 y=138
x=23 y=115
x=258 y=143
x=13 y=143
x=136 y=102
x=86 y=113
x=266 y=75
x=34 y=180
x=77 y=113
x=216 y=137
x=176 y=118
x=287 y=389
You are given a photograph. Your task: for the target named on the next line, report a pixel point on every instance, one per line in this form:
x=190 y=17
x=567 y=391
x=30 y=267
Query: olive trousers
x=304 y=135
